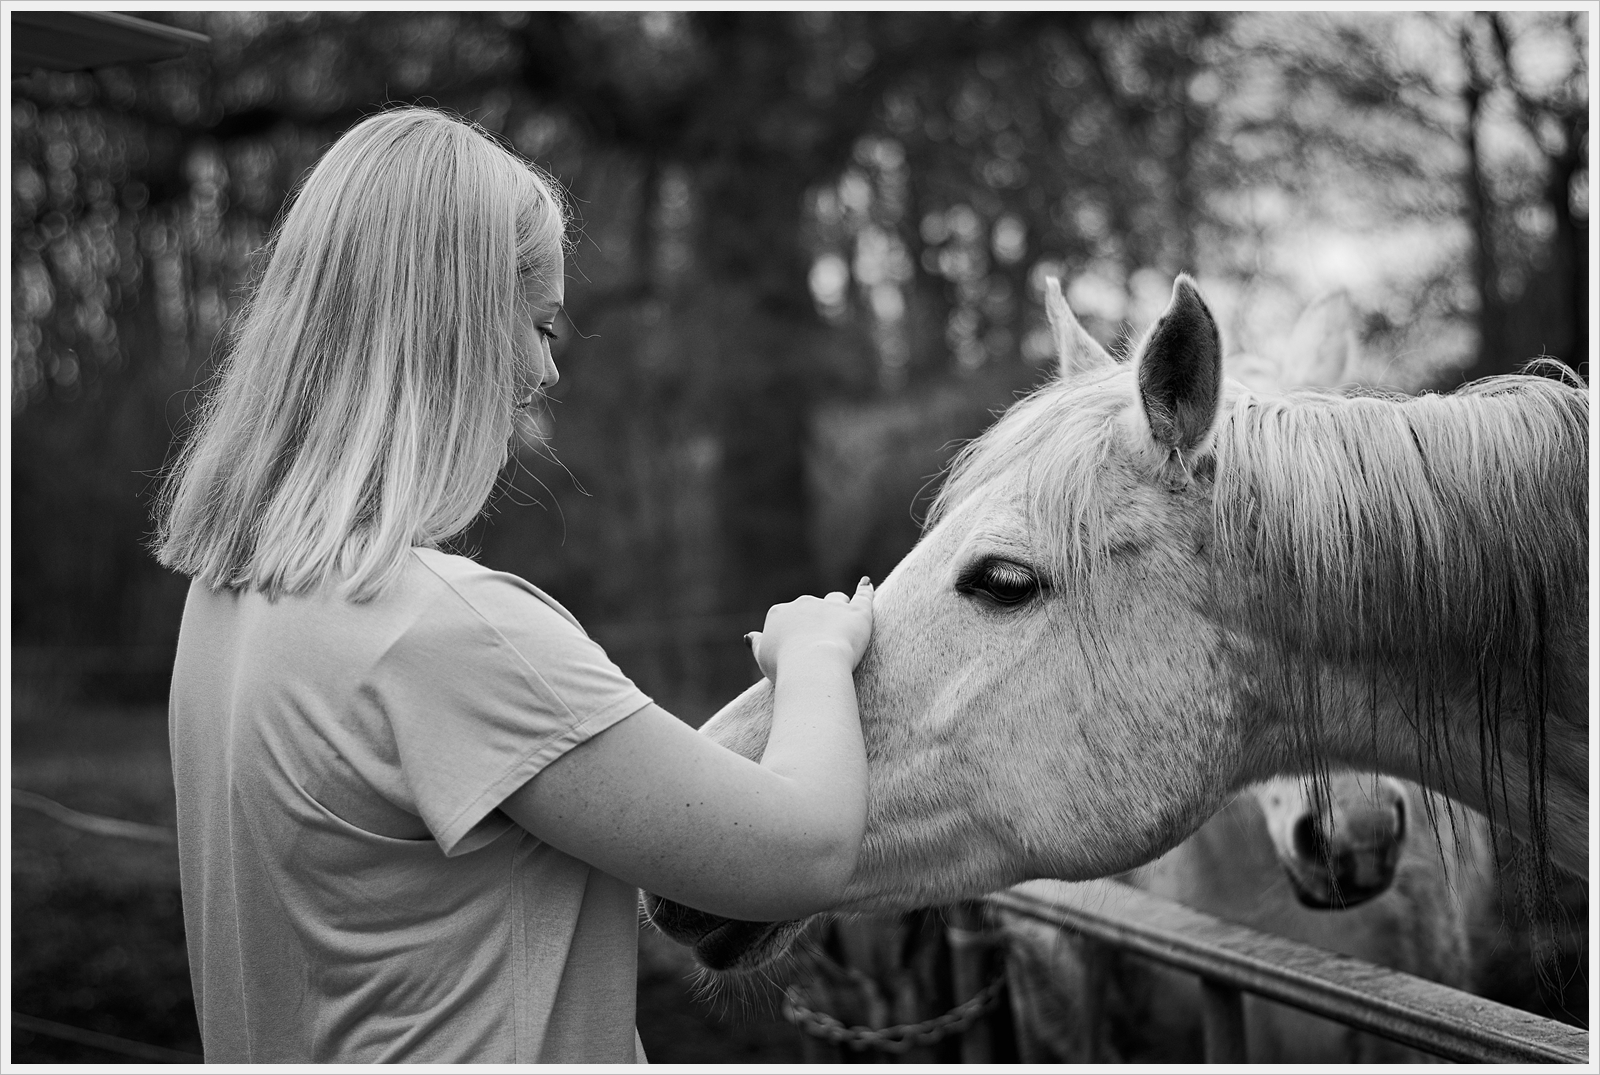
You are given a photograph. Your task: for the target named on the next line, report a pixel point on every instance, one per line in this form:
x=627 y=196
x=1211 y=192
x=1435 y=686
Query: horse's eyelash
x=976 y=574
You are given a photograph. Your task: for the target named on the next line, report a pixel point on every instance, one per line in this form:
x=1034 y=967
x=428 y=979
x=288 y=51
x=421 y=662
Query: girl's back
x=343 y=851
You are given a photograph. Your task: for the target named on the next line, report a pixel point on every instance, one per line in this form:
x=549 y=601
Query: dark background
x=810 y=260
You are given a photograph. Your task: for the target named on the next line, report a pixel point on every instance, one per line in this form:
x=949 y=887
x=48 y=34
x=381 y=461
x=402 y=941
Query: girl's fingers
x=863 y=590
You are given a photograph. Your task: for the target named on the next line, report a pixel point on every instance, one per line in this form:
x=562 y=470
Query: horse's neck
x=1479 y=758
x=1416 y=586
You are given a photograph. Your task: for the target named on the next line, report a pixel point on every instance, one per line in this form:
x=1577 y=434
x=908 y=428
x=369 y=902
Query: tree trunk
x=1485 y=268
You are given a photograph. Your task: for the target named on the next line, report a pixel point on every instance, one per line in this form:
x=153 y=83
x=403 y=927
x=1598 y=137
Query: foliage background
x=810 y=254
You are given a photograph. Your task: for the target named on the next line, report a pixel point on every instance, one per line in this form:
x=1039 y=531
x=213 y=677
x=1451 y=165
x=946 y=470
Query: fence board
x=1222 y=1015
x=1400 y=1007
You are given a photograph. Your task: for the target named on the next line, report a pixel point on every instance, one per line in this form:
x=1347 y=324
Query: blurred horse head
x=1320 y=353
x=1338 y=842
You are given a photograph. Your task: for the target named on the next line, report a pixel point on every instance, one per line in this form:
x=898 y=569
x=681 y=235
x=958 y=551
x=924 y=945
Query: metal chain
x=889 y=1039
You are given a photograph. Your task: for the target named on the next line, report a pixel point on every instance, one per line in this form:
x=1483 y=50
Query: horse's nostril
x=1399 y=820
x=1309 y=843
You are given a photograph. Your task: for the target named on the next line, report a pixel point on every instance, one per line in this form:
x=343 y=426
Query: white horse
x=1145 y=588
x=1281 y=847
x=1360 y=873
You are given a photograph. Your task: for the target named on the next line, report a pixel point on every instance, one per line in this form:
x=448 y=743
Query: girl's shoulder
x=493 y=595
x=480 y=634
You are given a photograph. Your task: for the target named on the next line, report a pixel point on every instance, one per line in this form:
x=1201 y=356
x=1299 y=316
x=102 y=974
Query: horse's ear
x=1322 y=346
x=1076 y=350
x=1180 y=371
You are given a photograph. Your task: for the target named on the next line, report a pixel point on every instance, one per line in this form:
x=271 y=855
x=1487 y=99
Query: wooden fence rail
x=1231 y=959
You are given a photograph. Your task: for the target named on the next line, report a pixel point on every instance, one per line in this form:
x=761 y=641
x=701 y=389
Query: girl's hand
x=812 y=624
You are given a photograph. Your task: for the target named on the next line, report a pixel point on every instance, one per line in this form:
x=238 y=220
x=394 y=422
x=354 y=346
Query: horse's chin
x=721 y=944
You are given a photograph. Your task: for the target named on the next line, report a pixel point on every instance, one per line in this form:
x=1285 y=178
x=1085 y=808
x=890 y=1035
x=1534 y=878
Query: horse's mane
x=1452 y=523
x=1057 y=439
x=1440 y=539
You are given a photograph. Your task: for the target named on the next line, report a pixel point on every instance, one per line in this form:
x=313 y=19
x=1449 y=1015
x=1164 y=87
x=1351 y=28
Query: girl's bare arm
x=654 y=803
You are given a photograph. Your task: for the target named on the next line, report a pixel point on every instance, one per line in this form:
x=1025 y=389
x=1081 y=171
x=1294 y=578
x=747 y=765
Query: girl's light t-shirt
x=351 y=892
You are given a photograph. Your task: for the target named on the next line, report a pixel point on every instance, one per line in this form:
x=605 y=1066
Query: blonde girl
x=415 y=801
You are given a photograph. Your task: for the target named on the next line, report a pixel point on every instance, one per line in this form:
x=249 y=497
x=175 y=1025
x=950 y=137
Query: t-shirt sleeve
x=489 y=685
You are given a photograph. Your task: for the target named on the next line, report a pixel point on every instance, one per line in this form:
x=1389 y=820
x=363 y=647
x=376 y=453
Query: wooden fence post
x=969 y=960
x=1222 y=1019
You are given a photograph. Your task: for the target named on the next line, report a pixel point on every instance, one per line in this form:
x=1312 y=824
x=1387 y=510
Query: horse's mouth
x=721 y=944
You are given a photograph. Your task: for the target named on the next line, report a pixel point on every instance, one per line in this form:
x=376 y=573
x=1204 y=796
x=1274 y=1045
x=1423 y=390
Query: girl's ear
x=1180 y=371
x=1076 y=350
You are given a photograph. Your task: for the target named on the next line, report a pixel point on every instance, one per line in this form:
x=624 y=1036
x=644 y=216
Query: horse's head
x=1340 y=847
x=1042 y=662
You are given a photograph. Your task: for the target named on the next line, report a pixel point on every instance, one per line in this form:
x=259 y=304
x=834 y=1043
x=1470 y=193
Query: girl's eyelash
x=549 y=333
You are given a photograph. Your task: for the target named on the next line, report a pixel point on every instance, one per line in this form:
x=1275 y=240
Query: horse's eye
x=1000 y=582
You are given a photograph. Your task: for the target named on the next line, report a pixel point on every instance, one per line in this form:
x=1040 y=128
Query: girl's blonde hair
x=366 y=401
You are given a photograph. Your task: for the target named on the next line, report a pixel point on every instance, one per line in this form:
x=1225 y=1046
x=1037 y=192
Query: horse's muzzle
x=1346 y=878
x=1346 y=868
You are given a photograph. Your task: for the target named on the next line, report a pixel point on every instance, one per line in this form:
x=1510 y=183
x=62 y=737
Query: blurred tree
x=687 y=142
x=1456 y=145
x=1528 y=203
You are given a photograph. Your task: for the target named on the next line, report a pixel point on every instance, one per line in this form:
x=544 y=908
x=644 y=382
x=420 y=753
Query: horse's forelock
x=1052 y=445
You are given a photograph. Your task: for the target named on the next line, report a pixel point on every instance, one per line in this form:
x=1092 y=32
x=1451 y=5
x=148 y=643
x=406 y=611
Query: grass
x=97 y=938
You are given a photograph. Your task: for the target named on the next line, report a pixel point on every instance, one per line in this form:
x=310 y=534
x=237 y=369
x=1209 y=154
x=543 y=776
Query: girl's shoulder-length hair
x=365 y=399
